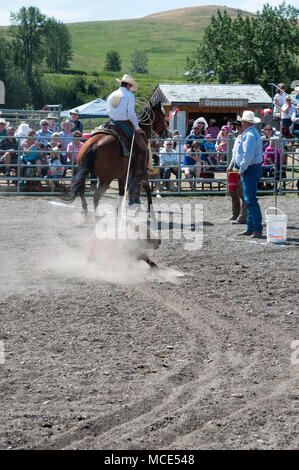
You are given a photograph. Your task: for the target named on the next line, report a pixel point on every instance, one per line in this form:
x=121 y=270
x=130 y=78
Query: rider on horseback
x=121 y=110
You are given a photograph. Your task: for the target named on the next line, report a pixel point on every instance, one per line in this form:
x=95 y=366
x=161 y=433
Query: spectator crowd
x=46 y=152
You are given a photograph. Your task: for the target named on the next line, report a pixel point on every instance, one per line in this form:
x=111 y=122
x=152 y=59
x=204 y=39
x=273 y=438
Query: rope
x=126 y=185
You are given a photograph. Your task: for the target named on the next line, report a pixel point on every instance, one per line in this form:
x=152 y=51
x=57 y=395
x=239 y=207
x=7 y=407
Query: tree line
x=262 y=48
x=33 y=42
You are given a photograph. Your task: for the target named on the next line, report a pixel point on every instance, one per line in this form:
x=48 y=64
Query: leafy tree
x=261 y=48
x=276 y=42
x=58 y=45
x=18 y=92
x=139 y=62
x=113 y=61
x=27 y=31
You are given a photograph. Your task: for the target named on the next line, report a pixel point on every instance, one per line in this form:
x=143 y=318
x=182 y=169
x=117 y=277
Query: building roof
x=190 y=94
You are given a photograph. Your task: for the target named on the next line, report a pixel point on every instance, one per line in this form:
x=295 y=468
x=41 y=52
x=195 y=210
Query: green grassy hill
x=166 y=37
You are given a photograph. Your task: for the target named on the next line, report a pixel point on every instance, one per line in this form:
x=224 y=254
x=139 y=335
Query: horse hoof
x=153 y=265
x=67 y=197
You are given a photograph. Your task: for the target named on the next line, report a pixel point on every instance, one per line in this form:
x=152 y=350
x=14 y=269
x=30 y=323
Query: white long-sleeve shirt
x=125 y=110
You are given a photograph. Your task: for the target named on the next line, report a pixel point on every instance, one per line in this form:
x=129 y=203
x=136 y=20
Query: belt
x=249 y=166
x=254 y=164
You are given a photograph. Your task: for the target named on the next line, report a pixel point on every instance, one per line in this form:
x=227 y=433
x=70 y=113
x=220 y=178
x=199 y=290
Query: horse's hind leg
x=84 y=211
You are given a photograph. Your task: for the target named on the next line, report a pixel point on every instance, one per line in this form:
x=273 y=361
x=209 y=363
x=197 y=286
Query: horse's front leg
x=149 y=261
x=147 y=189
x=100 y=190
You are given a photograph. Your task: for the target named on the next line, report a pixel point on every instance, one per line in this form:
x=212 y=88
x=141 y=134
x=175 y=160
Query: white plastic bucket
x=276 y=226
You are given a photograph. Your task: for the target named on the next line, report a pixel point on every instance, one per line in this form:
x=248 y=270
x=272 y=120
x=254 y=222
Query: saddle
x=116 y=131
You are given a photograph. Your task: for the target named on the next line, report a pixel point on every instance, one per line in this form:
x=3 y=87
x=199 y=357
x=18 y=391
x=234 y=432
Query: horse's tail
x=86 y=160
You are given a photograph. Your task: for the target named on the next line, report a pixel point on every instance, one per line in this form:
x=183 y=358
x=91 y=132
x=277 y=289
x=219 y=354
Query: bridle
x=147 y=118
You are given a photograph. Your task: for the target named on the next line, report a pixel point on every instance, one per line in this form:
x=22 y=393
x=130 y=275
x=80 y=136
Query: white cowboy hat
x=249 y=116
x=3 y=121
x=128 y=79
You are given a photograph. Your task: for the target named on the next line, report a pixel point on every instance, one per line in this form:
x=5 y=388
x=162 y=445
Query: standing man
x=248 y=158
x=239 y=208
x=121 y=110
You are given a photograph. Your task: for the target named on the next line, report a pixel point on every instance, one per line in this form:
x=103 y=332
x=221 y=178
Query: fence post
x=229 y=156
x=281 y=164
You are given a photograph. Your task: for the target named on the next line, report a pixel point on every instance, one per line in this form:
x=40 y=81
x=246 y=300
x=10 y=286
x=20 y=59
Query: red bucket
x=233 y=180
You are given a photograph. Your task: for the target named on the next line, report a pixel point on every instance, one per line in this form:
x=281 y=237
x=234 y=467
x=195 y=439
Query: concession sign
x=224 y=102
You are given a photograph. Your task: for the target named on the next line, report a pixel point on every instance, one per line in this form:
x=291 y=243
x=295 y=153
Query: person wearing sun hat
x=78 y=126
x=248 y=158
x=121 y=110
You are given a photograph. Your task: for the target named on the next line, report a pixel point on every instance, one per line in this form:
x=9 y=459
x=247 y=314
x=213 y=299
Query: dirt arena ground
x=198 y=354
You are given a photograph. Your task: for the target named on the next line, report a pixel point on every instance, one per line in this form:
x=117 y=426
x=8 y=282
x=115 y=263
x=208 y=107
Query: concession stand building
x=182 y=102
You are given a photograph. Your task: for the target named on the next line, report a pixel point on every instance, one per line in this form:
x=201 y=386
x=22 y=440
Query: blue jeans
x=250 y=181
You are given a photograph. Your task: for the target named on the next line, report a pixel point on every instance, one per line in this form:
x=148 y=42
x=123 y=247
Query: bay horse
x=102 y=153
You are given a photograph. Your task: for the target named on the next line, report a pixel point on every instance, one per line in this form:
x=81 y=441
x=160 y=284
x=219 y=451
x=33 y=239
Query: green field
x=167 y=38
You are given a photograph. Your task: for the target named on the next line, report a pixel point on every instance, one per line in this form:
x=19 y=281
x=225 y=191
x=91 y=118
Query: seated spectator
x=268 y=136
x=213 y=129
x=231 y=126
x=222 y=143
x=196 y=134
x=74 y=148
x=43 y=135
x=8 y=152
x=269 y=162
x=55 y=170
x=31 y=153
x=66 y=136
x=55 y=142
x=22 y=131
x=169 y=162
x=287 y=112
x=201 y=122
x=211 y=156
x=53 y=127
x=77 y=125
x=3 y=125
x=194 y=162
